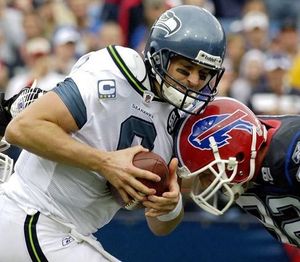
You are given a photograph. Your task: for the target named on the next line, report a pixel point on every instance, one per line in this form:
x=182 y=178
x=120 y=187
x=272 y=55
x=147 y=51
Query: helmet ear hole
x=240 y=156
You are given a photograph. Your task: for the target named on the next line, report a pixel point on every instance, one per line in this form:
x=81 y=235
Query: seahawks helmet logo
x=168 y=22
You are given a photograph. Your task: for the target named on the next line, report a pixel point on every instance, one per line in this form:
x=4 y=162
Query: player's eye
x=183 y=71
x=203 y=75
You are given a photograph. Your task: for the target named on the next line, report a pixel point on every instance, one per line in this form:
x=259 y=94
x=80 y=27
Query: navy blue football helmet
x=195 y=34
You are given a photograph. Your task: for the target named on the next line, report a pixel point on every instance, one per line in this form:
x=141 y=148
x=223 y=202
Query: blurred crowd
x=263 y=58
x=41 y=39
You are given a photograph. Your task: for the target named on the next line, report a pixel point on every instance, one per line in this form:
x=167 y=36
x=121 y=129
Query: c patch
x=107 y=88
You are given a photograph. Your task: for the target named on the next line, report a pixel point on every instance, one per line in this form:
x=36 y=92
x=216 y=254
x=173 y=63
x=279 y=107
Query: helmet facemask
x=219 y=151
x=213 y=188
x=175 y=92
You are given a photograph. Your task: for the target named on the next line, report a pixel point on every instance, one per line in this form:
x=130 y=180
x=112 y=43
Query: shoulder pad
x=133 y=61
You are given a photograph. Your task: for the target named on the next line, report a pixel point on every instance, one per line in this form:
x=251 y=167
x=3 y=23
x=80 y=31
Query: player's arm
x=164 y=213
x=44 y=129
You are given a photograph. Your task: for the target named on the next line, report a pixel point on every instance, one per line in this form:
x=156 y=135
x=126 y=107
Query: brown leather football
x=156 y=164
x=152 y=162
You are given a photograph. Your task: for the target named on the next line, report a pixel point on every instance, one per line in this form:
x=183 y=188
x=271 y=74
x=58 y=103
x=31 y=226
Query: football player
x=81 y=137
x=228 y=155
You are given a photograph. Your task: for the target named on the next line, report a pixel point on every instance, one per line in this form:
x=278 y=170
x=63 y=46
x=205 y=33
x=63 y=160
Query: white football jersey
x=108 y=94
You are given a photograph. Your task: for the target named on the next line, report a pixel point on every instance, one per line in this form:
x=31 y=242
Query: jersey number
x=138 y=130
x=278 y=209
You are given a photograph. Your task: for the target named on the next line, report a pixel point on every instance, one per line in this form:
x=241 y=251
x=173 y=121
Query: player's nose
x=194 y=80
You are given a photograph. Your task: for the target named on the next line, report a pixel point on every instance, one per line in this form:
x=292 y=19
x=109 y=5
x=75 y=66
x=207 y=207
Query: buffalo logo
x=219 y=127
x=168 y=22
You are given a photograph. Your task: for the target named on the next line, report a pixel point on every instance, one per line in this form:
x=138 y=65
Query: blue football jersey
x=274 y=195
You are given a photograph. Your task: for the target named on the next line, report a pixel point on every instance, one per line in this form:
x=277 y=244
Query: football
x=152 y=162
x=156 y=164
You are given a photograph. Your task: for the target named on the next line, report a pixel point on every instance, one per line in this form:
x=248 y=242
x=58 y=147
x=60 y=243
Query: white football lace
x=133 y=204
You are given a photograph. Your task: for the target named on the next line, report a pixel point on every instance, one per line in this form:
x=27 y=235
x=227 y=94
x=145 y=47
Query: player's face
x=205 y=179
x=189 y=74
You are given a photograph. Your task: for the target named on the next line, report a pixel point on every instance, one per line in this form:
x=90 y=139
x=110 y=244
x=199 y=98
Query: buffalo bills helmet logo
x=168 y=22
x=219 y=127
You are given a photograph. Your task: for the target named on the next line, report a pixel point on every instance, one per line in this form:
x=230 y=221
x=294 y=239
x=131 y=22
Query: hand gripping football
x=156 y=164
x=152 y=162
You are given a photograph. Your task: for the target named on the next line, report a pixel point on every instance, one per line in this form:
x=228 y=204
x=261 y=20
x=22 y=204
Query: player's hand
x=161 y=205
x=121 y=173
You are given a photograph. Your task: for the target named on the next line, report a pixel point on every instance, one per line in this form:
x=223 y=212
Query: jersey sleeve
x=93 y=80
x=69 y=93
x=79 y=90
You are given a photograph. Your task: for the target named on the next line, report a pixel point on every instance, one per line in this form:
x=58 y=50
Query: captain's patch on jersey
x=107 y=89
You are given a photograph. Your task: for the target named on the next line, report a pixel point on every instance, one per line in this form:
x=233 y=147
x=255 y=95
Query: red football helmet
x=218 y=149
